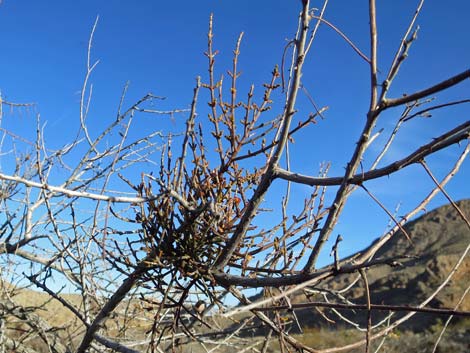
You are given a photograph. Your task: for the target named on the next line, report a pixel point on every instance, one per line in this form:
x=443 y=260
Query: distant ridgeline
x=439 y=238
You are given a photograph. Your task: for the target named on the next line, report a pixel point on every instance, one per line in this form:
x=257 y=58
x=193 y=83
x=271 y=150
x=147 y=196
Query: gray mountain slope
x=439 y=237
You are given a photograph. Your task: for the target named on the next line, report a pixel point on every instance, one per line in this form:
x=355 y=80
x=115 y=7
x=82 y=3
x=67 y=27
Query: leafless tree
x=154 y=233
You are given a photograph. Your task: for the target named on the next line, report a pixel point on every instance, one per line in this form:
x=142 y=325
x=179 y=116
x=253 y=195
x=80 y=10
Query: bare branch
x=439 y=87
x=455 y=135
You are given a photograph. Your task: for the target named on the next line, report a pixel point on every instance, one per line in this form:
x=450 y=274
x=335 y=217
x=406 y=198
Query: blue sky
x=158 y=47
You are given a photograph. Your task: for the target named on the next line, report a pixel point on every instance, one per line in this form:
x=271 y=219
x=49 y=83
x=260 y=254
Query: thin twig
x=369 y=311
x=365 y=307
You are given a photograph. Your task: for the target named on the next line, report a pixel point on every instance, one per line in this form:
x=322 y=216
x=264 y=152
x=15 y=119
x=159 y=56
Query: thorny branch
x=154 y=233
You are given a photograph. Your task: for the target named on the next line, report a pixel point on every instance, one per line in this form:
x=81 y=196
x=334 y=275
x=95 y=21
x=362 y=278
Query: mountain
x=439 y=238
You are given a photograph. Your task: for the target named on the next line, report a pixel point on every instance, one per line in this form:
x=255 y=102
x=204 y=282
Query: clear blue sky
x=158 y=46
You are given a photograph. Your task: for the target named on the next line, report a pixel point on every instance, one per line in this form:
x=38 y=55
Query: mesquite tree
x=154 y=233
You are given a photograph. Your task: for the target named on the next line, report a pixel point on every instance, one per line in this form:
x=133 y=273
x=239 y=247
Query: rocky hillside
x=439 y=238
